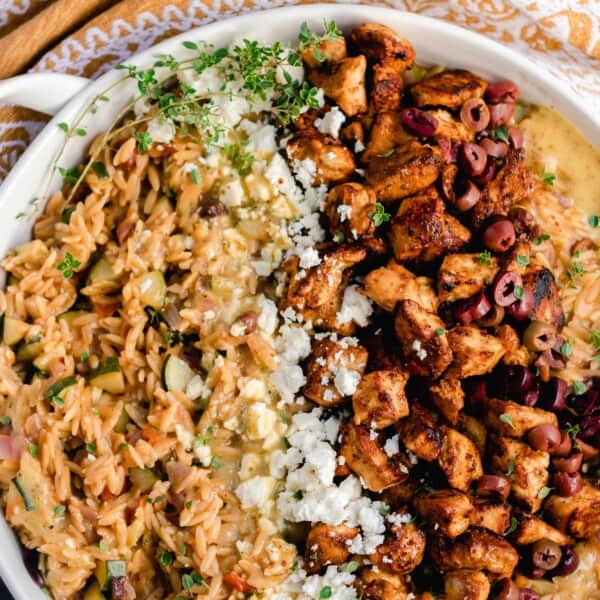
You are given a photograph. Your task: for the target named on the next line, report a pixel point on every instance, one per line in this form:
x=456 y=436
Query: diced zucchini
x=102 y=271
x=142 y=479
x=93 y=592
x=108 y=570
x=29 y=505
x=122 y=422
x=153 y=289
x=30 y=349
x=176 y=374
x=59 y=386
x=108 y=376
x=14 y=331
x=70 y=315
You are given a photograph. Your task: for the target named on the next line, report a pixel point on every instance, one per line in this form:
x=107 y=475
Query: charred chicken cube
x=375 y=583
x=515 y=353
x=388 y=285
x=530 y=529
x=455 y=236
x=329 y=361
x=400 y=494
x=366 y=458
x=387 y=86
x=419 y=333
x=463 y=275
x=577 y=515
x=402 y=550
x=348 y=207
x=332 y=50
x=420 y=433
x=466 y=584
x=449 y=127
x=331 y=161
x=476 y=549
x=459 y=459
x=524 y=467
x=474 y=429
x=327 y=545
x=446 y=510
x=494 y=516
x=408 y=170
x=344 y=82
x=448 y=397
x=383 y=44
x=450 y=89
x=387 y=132
x=379 y=400
x=547 y=306
x=475 y=351
x=508 y=418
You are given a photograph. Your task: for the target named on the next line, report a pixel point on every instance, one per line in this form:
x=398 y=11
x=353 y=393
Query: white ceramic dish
x=436 y=42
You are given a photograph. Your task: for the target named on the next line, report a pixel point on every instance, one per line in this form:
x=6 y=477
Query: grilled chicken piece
x=402 y=550
x=375 y=583
x=327 y=545
x=476 y=352
x=530 y=529
x=474 y=429
x=352 y=133
x=475 y=549
x=344 y=82
x=348 y=207
x=379 y=400
x=330 y=51
x=455 y=236
x=333 y=162
x=494 y=516
x=506 y=417
x=324 y=364
x=365 y=457
x=463 y=275
x=449 y=127
x=317 y=292
x=387 y=132
x=448 y=88
x=448 y=397
x=387 y=86
x=459 y=459
x=410 y=169
x=399 y=495
x=420 y=433
x=515 y=353
x=513 y=184
x=577 y=515
x=419 y=333
x=466 y=584
x=392 y=283
x=383 y=44
x=445 y=510
x=547 y=305
x=525 y=468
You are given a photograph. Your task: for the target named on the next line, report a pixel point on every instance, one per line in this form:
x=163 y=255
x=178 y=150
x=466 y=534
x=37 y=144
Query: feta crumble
x=331 y=122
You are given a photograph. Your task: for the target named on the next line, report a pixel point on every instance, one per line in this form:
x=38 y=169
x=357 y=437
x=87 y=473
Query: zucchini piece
x=14 y=331
x=93 y=592
x=59 y=386
x=107 y=570
x=122 y=422
x=30 y=349
x=102 y=271
x=29 y=505
x=108 y=376
x=153 y=289
x=70 y=315
x=176 y=374
x=142 y=479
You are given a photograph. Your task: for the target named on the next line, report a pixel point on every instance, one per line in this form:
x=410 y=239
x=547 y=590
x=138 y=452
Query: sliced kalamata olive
x=419 y=122
x=544 y=437
x=522 y=308
x=567 y=484
x=500 y=114
x=499 y=235
x=587 y=450
x=531 y=397
x=570 y=464
x=505 y=589
x=502 y=91
x=515 y=137
x=472 y=309
x=473 y=158
x=475 y=114
x=568 y=563
x=493 y=485
x=546 y=554
x=488 y=172
x=516 y=379
x=494 y=317
x=494 y=149
x=539 y=336
x=554 y=394
x=565 y=446
x=469 y=198
x=550 y=358
x=524 y=222
x=529 y=594
x=503 y=289
x=476 y=390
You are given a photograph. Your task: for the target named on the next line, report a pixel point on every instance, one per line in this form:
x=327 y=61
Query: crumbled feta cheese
x=196 y=388
x=345 y=212
x=249 y=465
x=309 y=258
x=399 y=518
x=355 y=307
x=346 y=381
x=261 y=421
x=288 y=380
x=185 y=437
x=251 y=388
x=418 y=348
x=358 y=147
x=331 y=122
x=392 y=445
x=161 y=131
x=261 y=136
x=232 y=193
x=203 y=453
x=255 y=492
x=267 y=319
x=305 y=171
x=278 y=174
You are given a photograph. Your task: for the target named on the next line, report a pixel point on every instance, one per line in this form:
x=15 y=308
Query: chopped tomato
x=151 y=435
x=236 y=582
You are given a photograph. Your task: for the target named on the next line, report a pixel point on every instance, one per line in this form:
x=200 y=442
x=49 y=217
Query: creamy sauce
x=552 y=143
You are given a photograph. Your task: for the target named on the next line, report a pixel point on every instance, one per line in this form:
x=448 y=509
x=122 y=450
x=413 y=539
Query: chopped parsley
x=566 y=348
x=485 y=258
x=522 y=260
x=541 y=238
x=166 y=558
x=65 y=215
x=506 y=418
x=298 y=495
x=90 y=447
x=240 y=159
x=144 y=141
x=573 y=430
x=594 y=341
x=69 y=175
x=379 y=216
x=326 y=592
x=59 y=510
x=68 y=265
x=579 y=388
x=594 y=221
x=351 y=566
x=510 y=467
x=195 y=176
x=512 y=527
x=575 y=270
x=100 y=169
x=546 y=177
x=308 y=39
x=33 y=450
x=500 y=134
x=440 y=331
x=85 y=357
x=544 y=492
x=64 y=126
x=5 y=420
x=518 y=292
x=216 y=463
x=338 y=237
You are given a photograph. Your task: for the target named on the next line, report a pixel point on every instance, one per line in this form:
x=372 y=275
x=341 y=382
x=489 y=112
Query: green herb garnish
x=544 y=492
x=68 y=266
x=379 y=216
x=506 y=418
x=485 y=258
